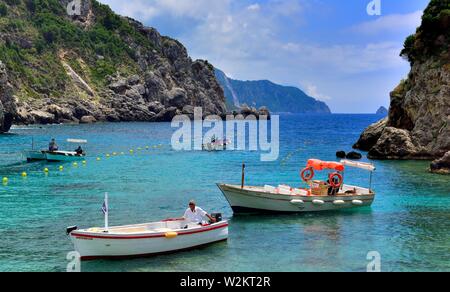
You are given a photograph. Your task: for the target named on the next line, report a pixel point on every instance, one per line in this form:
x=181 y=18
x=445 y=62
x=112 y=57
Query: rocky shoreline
x=160 y=82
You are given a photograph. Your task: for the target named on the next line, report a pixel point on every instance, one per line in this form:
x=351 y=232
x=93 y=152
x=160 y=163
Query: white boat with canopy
x=147 y=239
x=319 y=196
x=57 y=156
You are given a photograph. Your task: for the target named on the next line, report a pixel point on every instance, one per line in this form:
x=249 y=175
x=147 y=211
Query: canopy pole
x=370 y=182
x=106 y=213
x=243 y=176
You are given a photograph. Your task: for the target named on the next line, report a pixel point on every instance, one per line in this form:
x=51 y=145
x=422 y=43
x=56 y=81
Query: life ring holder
x=339 y=177
x=307 y=174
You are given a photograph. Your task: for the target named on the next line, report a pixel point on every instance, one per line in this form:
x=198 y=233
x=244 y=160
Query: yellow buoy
x=5 y=180
x=61 y=168
x=147 y=147
x=84 y=162
x=75 y=164
x=139 y=148
x=131 y=151
x=24 y=174
x=46 y=170
x=170 y=235
x=122 y=153
x=114 y=154
x=98 y=159
x=107 y=155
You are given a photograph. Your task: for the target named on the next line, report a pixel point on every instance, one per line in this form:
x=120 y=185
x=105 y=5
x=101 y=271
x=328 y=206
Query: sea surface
x=408 y=225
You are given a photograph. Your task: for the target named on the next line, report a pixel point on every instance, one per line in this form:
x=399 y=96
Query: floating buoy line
x=6 y=180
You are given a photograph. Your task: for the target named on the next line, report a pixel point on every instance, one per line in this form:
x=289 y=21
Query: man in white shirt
x=196 y=214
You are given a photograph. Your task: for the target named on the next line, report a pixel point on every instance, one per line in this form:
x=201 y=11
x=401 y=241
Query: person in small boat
x=196 y=214
x=79 y=150
x=52 y=146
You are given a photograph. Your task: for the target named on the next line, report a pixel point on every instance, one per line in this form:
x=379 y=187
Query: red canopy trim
x=322 y=165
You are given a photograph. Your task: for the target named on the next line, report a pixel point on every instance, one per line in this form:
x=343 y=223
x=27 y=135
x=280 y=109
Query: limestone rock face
x=418 y=125
x=442 y=165
x=154 y=80
x=393 y=144
x=7 y=103
x=371 y=135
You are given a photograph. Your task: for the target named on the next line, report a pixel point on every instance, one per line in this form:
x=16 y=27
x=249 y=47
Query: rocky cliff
x=275 y=97
x=418 y=126
x=7 y=104
x=95 y=66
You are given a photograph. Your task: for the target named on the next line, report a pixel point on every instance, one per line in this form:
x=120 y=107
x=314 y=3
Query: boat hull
x=63 y=157
x=248 y=201
x=35 y=155
x=114 y=246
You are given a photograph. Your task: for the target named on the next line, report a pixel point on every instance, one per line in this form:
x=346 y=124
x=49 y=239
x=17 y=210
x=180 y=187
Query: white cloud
x=146 y=10
x=390 y=23
x=254 y=7
x=312 y=91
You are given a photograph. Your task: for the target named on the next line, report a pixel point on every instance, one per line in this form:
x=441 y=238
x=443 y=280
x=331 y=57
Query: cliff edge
x=418 y=125
x=95 y=66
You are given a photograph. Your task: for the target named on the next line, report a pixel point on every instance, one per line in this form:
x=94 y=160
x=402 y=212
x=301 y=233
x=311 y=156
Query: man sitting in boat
x=52 y=147
x=79 y=150
x=196 y=214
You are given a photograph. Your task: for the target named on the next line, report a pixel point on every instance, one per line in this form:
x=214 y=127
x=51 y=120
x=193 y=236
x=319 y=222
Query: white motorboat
x=145 y=239
x=216 y=145
x=321 y=196
x=56 y=156
x=63 y=156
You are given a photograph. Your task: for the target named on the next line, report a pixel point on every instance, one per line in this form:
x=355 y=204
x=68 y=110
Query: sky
x=332 y=49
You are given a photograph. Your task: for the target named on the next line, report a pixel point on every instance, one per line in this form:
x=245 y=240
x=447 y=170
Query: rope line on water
x=46 y=170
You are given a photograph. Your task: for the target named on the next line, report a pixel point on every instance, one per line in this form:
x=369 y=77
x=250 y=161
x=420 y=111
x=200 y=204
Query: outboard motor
x=70 y=229
x=217 y=216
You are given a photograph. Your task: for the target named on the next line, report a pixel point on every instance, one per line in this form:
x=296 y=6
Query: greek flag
x=105 y=208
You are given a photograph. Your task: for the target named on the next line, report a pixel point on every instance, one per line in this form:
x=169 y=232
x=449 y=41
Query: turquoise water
x=409 y=223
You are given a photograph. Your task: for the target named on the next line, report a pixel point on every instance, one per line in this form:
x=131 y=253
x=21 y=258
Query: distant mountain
x=382 y=111
x=276 y=97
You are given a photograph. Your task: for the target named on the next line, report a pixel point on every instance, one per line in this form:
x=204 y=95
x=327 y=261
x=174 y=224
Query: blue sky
x=332 y=49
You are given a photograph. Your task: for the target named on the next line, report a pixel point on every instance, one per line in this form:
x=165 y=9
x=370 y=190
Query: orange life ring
x=333 y=183
x=307 y=174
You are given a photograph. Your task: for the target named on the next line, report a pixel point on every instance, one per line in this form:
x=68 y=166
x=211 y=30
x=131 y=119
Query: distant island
x=382 y=111
x=275 y=97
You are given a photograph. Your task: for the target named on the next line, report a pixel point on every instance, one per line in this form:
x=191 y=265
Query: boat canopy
x=77 y=141
x=360 y=165
x=322 y=165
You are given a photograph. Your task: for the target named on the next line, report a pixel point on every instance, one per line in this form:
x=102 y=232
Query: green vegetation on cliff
x=36 y=34
x=432 y=37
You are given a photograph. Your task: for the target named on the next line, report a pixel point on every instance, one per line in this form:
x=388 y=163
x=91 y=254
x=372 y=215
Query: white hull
x=252 y=199
x=63 y=156
x=145 y=239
